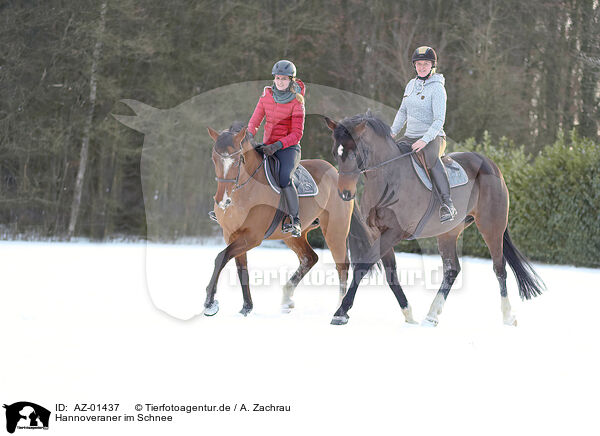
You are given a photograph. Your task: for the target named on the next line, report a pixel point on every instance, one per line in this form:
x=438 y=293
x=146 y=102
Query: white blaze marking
x=340 y=150
x=227 y=162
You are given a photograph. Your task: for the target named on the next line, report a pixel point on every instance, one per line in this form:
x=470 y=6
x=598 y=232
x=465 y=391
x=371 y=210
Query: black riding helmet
x=284 y=68
x=424 y=53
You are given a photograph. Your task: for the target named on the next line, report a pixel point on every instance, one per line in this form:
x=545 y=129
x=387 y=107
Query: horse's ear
x=330 y=123
x=213 y=133
x=360 y=129
x=239 y=136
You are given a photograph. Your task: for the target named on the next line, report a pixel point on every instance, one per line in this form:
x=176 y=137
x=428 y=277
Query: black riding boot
x=440 y=180
x=291 y=198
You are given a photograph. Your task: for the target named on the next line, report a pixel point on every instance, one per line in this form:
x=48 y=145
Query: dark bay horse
x=245 y=205
x=394 y=202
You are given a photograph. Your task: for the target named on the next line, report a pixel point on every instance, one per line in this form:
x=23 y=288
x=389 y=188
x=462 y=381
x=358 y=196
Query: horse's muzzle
x=225 y=203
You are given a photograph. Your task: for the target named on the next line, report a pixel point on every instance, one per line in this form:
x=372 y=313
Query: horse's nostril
x=346 y=195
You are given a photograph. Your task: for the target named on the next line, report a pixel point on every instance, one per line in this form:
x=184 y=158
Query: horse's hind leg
x=447 y=249
x=391 y=275
x=241 y=262
x=493 y=239
x=308 y=258
x=336 y=236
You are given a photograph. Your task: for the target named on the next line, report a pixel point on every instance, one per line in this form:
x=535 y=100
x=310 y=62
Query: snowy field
x=115 y=323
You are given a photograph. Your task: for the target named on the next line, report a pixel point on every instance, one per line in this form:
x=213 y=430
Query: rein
x=374 y=167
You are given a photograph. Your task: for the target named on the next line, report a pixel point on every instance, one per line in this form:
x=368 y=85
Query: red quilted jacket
x=285 y=121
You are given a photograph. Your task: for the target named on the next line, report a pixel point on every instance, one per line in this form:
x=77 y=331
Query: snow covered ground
x=114 y=323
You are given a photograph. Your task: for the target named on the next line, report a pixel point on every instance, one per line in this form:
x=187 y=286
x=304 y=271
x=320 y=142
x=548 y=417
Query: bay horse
x=394 y=201
x=245 y=206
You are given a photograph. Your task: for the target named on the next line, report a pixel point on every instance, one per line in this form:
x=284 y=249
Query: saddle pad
x=302 y=180
x=457 y=176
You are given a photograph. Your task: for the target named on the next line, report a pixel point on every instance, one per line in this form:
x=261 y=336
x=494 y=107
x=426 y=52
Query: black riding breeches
x=289 y=159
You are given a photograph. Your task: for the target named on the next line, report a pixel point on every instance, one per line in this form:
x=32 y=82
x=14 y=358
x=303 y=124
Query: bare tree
x=85 y=143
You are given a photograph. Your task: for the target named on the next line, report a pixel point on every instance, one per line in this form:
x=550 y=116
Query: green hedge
x=554 y=211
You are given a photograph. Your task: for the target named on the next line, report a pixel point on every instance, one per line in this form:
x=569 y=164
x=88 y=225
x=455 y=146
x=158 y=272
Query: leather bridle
x=238 y=163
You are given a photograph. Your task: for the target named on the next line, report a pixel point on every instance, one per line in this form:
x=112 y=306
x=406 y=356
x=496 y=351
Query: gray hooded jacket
x=423 y=109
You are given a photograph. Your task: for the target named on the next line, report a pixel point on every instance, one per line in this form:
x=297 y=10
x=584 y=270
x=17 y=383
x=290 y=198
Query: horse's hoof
x=287 y=306
x=340 y=320
x=429 y=322
x=408 y=315
x=512 y=321
x=245 y=311
x=212 y=309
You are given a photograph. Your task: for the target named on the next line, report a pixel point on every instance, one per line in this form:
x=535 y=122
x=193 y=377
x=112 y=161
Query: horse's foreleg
x=241 y=262
x=391 y=275
x=240 y=245
x=341 y=317
x=383 y=244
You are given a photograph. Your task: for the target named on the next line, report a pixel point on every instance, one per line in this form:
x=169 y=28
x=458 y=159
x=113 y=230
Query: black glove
x=258 y=146
x=272 y=148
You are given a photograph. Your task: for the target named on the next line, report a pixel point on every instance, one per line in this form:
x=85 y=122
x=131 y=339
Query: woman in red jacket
x=282 y=104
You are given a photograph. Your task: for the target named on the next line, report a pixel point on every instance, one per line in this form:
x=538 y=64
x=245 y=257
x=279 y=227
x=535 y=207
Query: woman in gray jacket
x=423 y=110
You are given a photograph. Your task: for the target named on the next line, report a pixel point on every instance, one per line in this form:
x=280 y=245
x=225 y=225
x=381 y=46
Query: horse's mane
x=347 y=125
x=225 y=139
x=236 y=126
x=342 y=133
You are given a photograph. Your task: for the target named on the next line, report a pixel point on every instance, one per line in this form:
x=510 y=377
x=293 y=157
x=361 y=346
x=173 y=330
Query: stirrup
x=213 y=216
x=292 y=227
x=447 y=212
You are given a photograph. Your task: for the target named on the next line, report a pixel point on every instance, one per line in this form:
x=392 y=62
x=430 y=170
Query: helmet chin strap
x=432 y=71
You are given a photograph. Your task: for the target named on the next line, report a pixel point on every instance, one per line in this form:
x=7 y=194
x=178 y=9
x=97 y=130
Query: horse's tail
x=358 y=240
x=530 y=284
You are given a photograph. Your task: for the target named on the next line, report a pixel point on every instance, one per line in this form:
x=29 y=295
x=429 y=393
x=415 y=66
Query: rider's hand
x=419 y=145
x=272 y=148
